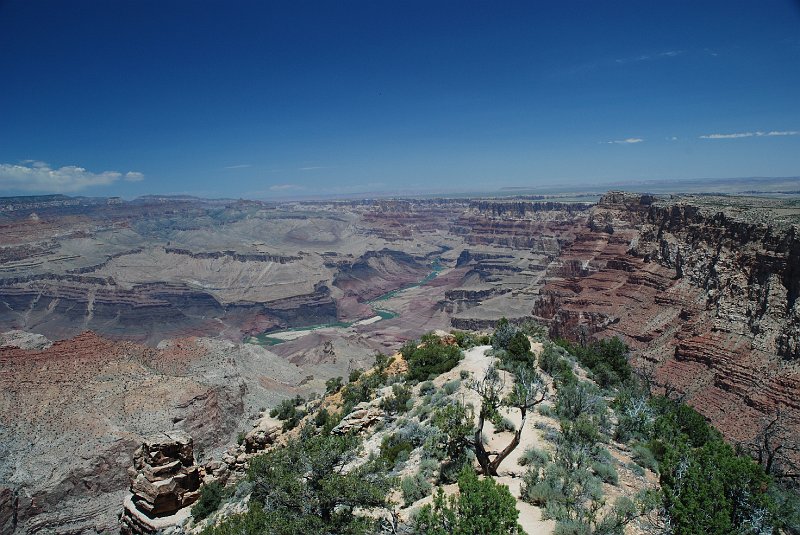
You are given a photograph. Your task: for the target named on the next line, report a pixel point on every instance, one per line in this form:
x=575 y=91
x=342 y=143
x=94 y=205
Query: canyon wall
x=703 y=289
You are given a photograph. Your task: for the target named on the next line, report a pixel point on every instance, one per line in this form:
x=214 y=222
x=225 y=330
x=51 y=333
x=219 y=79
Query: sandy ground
x=476 y=362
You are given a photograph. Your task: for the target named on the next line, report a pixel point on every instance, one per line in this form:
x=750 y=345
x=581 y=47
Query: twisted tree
x=527 y=391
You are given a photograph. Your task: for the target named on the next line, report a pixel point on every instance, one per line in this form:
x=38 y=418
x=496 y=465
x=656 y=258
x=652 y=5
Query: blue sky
x=268 y=99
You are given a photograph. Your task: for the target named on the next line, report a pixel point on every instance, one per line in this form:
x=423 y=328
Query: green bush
x=288 y=412
x=710 y=489
x=210 y=499
x=642 y=456
x=253 y=521
x=606 y=472
x=636 y=469
x=333 y=385
x=428 y=466
x=534 y=457
x=300 y=488
x=286 y=408
x=414 y=488
x=502 y=424
x=450 y=387
x=503 y=333
x=481 y=507
x=322 y=418
x=361 y=390
x=576 y=399
x=519 y=345
x=430 y=358
x=548 y=358
x=607 y=359
x=392 y=446
x=399 y=400
x=354 y=375
x=546 y=410
x=426 y=388
x=466 y=340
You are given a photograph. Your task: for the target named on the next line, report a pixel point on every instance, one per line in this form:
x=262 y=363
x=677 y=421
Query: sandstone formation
x=164 y=480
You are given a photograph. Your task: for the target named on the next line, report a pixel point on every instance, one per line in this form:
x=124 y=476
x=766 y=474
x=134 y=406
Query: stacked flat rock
x=164 y=480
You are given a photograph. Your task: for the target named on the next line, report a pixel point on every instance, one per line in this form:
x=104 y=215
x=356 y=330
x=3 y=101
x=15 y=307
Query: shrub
x=428 y=467
x=606 y=472
x=392 y=446
x=427 y=388
x=546 y=410
x=209 y=501
x=333 y=385
x=540 y=493
x=548 y=358
x=607 y=359
x=361 y=390
x=503 y=333
x=534 y=457
x=414 y=488
x=354 y=375
x=301 y=488
x=382 y=362
x=574 y=400
x=322 y=418
x=464 y=375
x=636 y=469
x=644 y=457
x=519 y=345
x=430 y=358
x=398 y=401
x=253 y=521
x=423 y=411
x=482 y=506
x=288 y=412
x=451 y=387
x=286 y=408
x=466 y=340
x=710 y=489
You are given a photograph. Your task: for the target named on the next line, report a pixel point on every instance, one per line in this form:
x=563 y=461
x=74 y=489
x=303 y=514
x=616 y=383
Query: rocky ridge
x=703 y=288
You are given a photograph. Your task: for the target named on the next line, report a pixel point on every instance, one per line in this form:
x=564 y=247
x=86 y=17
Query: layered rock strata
x=705 y=292
x=164 y=480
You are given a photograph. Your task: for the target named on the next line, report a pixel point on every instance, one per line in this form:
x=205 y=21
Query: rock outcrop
x=703 y=289
x=363 y=416
x=164 y=481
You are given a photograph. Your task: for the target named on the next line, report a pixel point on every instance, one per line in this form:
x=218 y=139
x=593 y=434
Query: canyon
x=125 y=319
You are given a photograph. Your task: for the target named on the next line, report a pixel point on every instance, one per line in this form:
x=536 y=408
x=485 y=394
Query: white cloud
x=649 y=57
x=751 y=134
x=32 y=175
x=312 y=168
x=628 y=141
x=240 y=166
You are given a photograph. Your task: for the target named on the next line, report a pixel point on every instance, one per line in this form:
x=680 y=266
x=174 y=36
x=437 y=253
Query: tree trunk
x=495 y=464
x=480 y=451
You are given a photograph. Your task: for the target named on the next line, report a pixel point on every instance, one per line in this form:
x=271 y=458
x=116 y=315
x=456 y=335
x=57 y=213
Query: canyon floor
x=128 y=318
